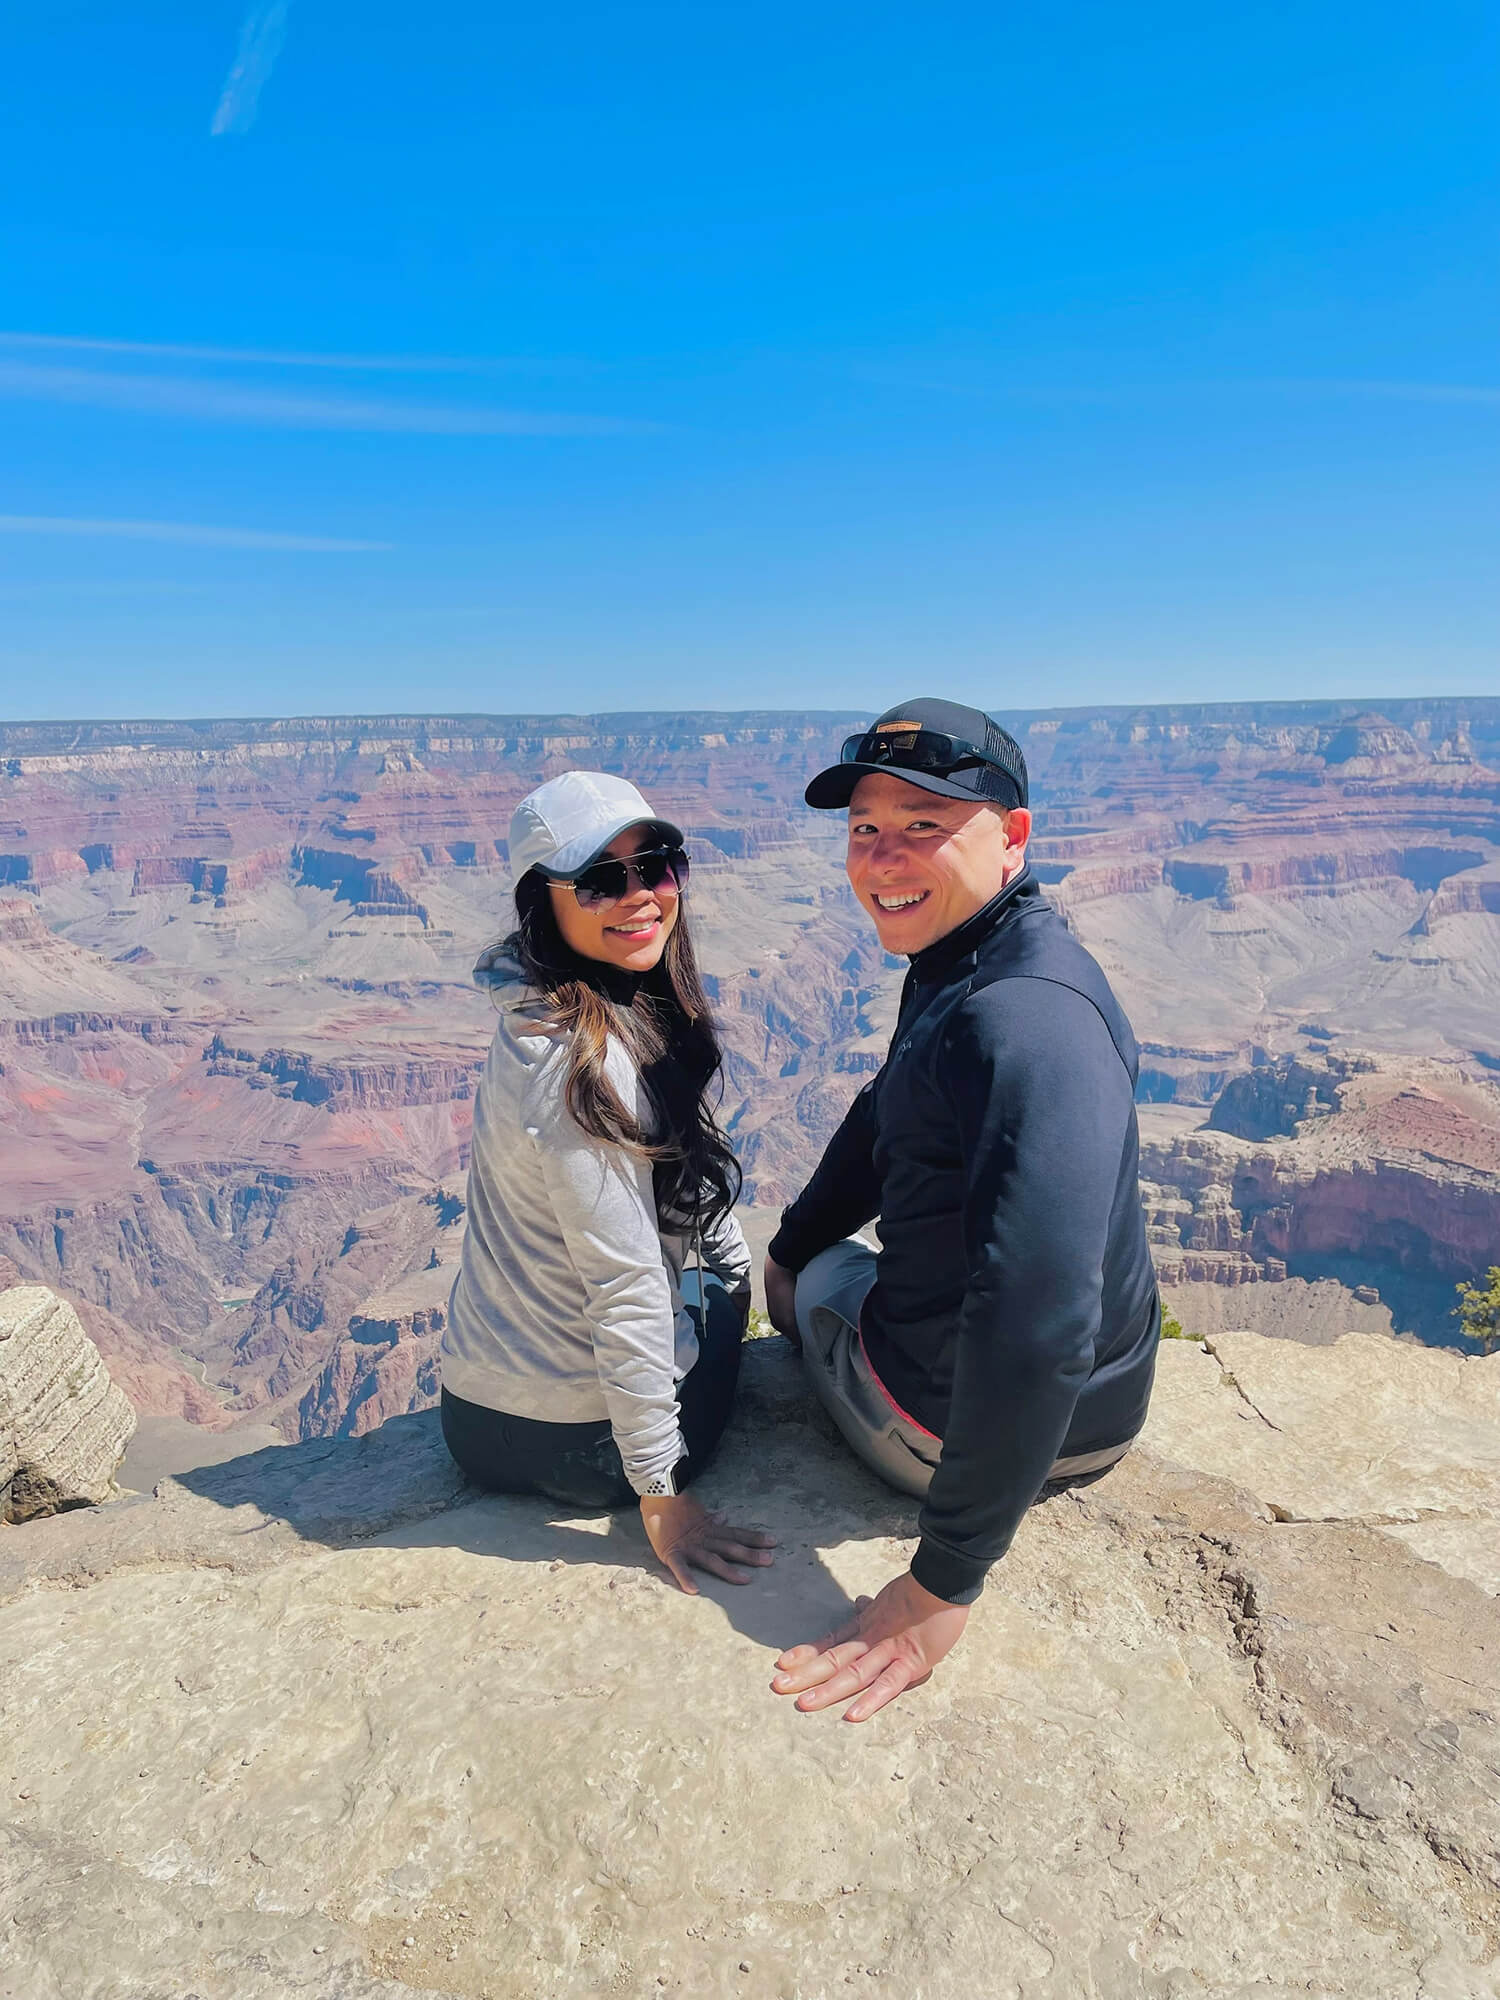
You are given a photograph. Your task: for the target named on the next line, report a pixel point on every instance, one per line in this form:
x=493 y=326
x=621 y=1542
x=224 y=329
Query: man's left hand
x=892 y=1643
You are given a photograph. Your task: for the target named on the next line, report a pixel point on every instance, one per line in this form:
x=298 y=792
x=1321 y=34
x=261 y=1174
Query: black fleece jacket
x=1014 y=1312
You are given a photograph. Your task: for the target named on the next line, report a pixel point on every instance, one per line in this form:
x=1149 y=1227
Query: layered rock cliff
x=64 y=1424
x=1313 y=1163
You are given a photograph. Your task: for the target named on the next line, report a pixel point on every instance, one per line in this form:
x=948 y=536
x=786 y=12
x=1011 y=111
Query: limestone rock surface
x=323 y=1721
x=1402 y=1439
x=63 y=1423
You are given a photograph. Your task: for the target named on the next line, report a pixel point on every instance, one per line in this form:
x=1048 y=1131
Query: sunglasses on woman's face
x=608 y=882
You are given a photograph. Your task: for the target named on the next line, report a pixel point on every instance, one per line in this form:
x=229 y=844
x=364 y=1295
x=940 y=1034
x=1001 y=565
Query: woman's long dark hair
x=663 y=1020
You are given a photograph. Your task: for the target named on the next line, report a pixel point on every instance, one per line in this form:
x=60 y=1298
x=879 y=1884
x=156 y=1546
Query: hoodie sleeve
x=605 y=1209
x=727 y=1254
x=843 y=1194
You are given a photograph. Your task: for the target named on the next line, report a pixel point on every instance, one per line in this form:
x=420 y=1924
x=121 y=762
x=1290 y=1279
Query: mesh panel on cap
x=1007 y=752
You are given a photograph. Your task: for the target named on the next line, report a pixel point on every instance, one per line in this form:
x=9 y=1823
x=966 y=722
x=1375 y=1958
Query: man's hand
x=781 y=1300
x=892 y=1643
x=686 y=1537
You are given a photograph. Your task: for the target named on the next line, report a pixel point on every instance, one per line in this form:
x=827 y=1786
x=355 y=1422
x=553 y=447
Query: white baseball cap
x=567 y=823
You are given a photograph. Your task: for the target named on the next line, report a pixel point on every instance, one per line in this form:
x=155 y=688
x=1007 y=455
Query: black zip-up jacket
x=1014 y=1312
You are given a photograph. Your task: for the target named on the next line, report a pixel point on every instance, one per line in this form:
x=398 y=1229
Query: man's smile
x=905 y=900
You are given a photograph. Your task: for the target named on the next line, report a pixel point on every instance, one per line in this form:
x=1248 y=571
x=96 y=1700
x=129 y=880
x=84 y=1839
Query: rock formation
x=63 y=1424
x=388 y=1363
x=322 y=1721
x=1383 y=1170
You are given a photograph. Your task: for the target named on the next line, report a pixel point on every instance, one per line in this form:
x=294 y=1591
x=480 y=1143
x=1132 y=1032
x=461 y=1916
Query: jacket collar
x=938 y=960
x=615 y=983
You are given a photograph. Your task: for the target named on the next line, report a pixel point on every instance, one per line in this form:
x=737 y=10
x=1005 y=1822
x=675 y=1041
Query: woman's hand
x=686 y=1537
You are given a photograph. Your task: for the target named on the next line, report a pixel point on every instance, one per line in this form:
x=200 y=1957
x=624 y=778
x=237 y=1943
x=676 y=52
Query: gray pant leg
x=830 y=1292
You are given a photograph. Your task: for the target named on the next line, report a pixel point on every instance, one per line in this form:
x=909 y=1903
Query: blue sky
x=584 y=357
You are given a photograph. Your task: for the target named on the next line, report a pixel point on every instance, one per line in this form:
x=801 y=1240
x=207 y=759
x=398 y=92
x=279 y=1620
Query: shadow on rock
x=797 y=1598
x=781 y=1467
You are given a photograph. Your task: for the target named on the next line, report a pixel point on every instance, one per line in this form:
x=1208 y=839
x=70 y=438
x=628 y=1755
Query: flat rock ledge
x=64 y=1425
x=323 y=1721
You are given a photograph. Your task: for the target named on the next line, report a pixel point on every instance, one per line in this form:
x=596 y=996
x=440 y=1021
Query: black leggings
x=579 y=1464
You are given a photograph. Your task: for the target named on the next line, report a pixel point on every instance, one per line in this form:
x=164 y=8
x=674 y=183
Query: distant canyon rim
x=239 y=1042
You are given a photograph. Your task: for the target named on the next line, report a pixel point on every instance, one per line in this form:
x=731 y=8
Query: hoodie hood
x=497 y=972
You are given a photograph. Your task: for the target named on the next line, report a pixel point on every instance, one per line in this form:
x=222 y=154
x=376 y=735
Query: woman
x=570 y=1365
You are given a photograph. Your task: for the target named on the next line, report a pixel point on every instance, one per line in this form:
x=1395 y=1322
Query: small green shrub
x=1478 y=1311
x=1172 y=1328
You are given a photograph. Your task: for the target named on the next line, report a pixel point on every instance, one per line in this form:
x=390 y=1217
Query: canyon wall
x=238 y=1041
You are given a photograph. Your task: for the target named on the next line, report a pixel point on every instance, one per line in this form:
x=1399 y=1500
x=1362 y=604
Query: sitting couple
x=1004 y=1337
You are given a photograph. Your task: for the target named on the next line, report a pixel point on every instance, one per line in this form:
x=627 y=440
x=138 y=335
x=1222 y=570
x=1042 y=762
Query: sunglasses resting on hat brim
x=915 y=750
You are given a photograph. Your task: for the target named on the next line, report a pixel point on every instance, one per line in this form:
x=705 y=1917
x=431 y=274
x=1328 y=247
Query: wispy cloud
x=1412 y=392
x=996 y=385
x=261 y=35
x=246 y=403
x=263 y=357
x=190 y=532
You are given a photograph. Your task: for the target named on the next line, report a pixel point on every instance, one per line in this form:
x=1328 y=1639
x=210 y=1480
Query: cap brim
x=833 y=788
x=570 y=862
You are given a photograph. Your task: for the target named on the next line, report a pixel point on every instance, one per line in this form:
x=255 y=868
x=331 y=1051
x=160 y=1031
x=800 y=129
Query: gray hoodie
x=568 y=1302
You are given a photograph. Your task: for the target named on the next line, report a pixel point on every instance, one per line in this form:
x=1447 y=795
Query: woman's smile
x=632 y=933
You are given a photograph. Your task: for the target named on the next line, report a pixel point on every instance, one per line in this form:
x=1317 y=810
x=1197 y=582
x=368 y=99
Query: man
x=1005 y=1337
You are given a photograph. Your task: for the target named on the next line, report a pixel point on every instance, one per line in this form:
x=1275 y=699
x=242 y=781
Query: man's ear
x=1017 y=826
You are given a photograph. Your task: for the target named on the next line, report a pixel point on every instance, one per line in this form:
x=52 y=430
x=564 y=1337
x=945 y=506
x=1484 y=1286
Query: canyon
x=239 y=1042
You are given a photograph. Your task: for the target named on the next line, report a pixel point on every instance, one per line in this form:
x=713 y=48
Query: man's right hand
x=892 y=1643
x=781 y=1300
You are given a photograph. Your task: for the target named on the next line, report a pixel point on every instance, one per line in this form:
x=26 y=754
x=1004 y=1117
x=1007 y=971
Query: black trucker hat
x=940 y=745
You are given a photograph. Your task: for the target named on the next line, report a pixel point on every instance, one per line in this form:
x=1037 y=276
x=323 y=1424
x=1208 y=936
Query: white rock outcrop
x=1399 y=1438
x=64 y=1425
x=324 y=1722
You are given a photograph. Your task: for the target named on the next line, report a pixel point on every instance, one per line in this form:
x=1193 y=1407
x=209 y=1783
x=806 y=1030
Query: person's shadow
x=781 y=1467
x=794 y=1599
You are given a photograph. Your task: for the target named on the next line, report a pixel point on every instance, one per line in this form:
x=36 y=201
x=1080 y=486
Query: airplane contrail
x=261 y=35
